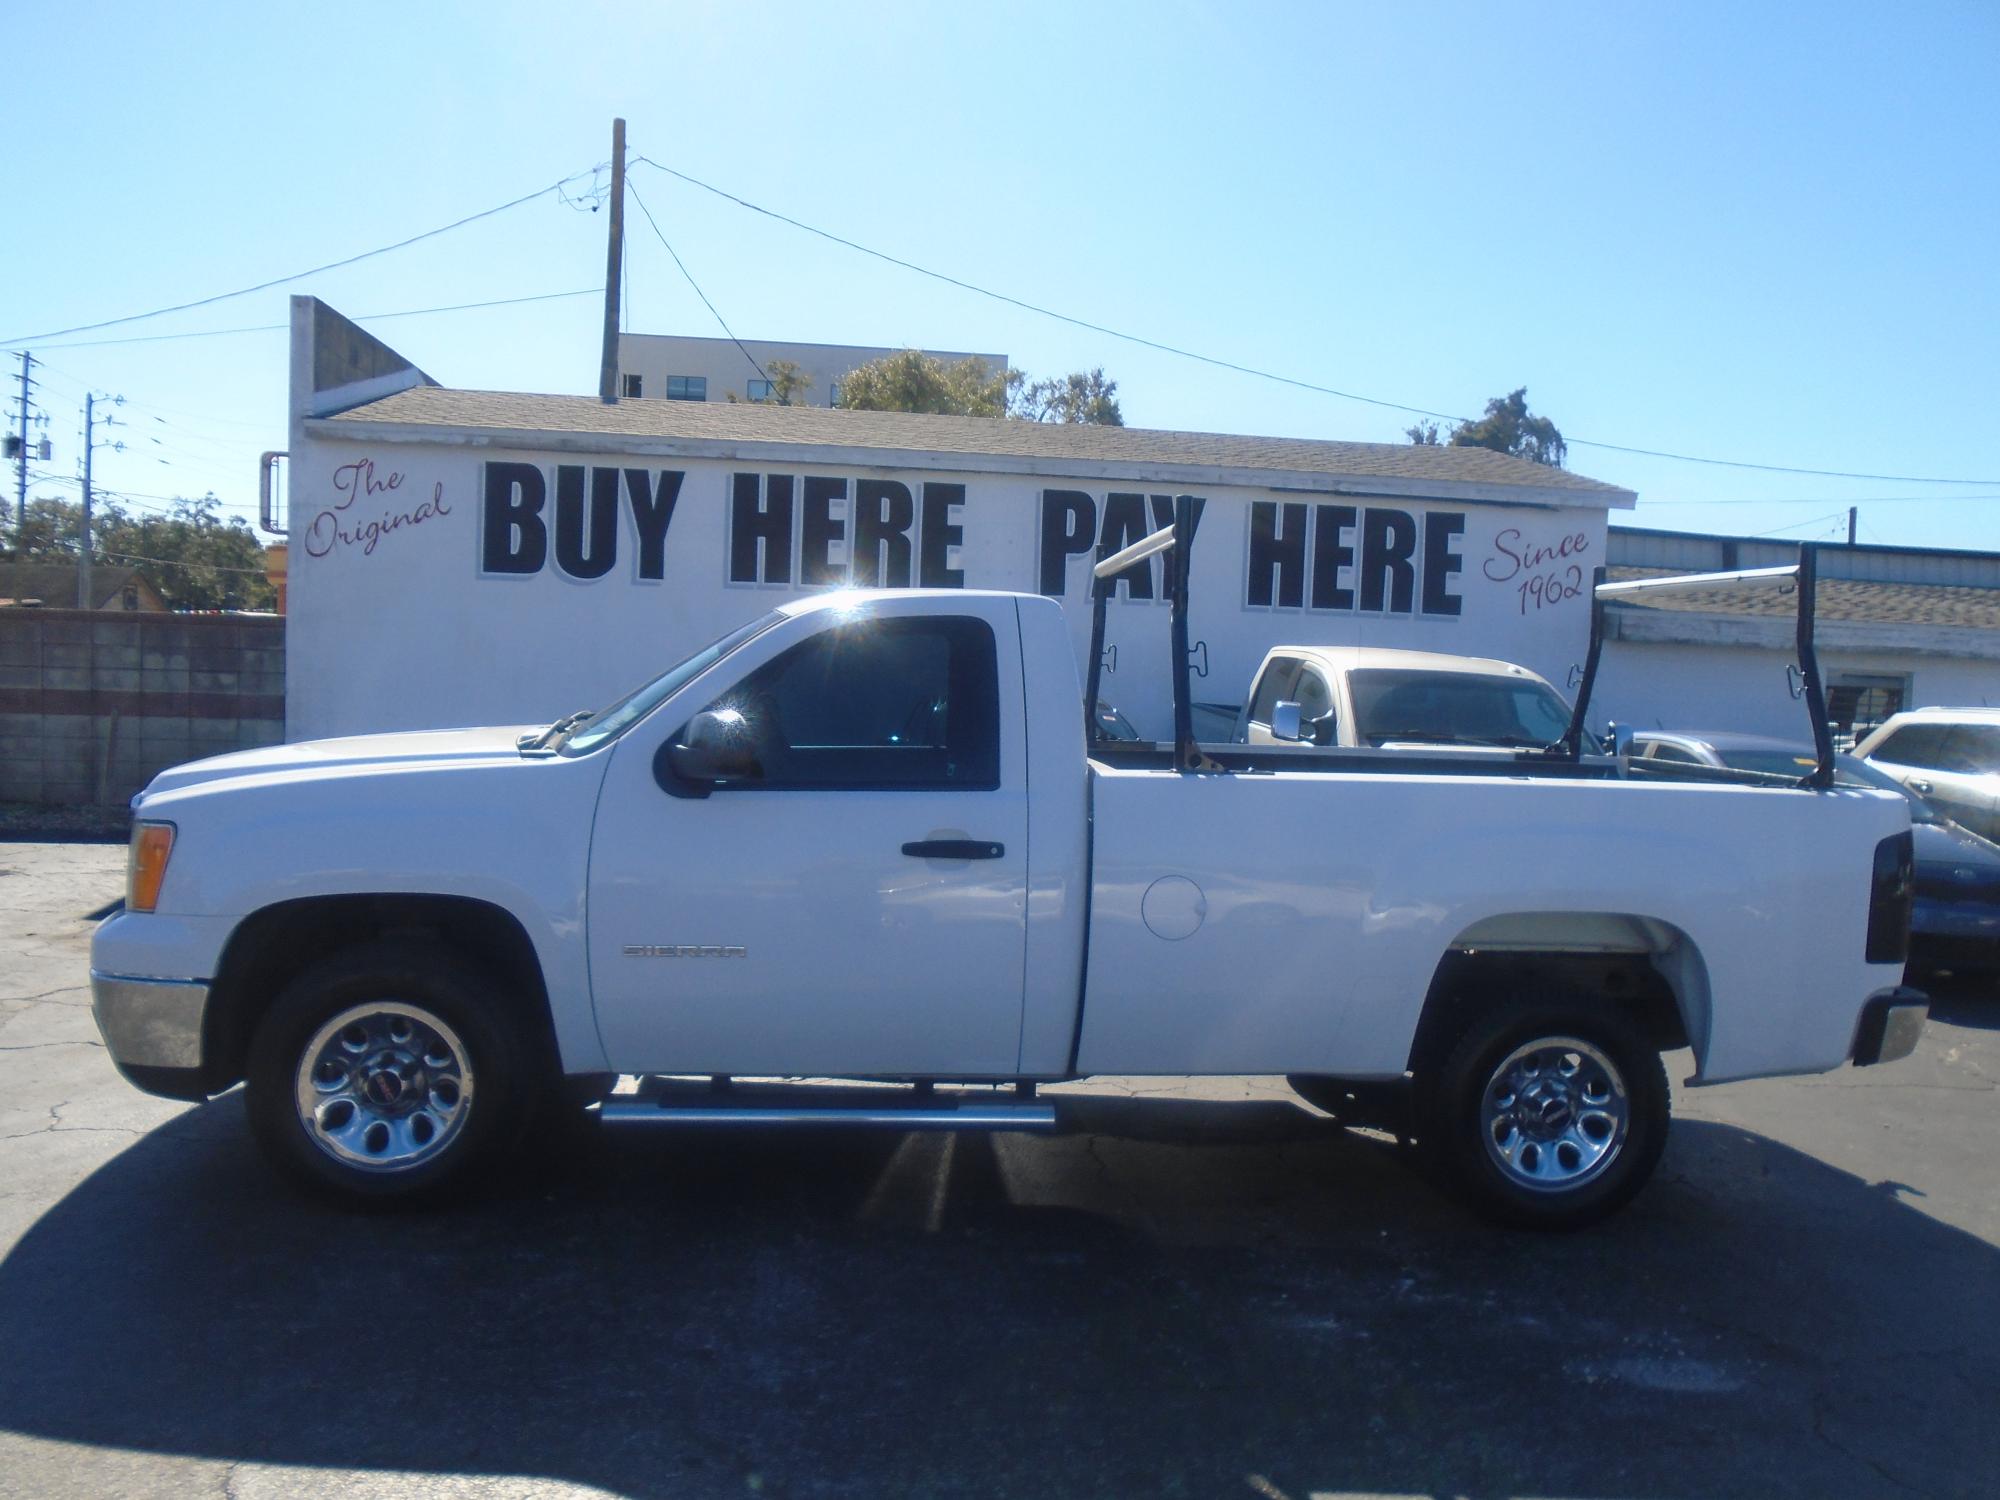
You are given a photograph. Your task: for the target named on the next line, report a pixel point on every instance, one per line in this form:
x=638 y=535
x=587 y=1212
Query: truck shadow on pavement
x=1199 y=1300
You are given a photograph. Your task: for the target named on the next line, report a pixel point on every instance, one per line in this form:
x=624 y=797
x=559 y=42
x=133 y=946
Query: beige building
x=656 y=366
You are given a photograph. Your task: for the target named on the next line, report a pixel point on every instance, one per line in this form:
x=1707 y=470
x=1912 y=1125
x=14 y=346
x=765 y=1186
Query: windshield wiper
x=543 y=739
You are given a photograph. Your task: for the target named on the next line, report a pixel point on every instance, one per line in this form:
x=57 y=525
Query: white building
x=1898 y=627
x=675 y=368
x=478 y=557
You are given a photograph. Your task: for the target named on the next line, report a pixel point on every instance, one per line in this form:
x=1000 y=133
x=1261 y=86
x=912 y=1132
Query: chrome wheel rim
x=1554 y=1114
x=384 y=1087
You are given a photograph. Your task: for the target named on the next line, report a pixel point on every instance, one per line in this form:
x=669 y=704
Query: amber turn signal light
x=152 y=843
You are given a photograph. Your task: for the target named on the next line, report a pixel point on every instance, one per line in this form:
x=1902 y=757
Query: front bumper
x=1890 y=1024
x=153 y=1030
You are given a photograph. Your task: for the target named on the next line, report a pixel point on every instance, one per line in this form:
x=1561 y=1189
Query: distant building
x=663 y=366
x=53 y=586
x=1897 y=627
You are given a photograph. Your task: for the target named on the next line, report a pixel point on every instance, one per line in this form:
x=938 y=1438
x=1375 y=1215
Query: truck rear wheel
x=387 y=1073
x=1547 y=1114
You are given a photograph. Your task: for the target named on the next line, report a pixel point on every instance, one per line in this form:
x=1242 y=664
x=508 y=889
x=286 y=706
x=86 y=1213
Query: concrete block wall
x=93 y=705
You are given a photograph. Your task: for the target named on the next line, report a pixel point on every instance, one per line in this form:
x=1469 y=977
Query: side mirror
x=1285 y=721
x=715 y=746
x=1618 y=738
x=1324 y=730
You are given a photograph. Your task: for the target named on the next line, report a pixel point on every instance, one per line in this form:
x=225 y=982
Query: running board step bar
x=767 y=1107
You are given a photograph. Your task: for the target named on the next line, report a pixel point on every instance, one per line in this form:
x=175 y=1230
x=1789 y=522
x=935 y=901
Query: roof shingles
x=711 y=422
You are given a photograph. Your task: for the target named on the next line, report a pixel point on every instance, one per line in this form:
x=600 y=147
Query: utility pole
x=21 y=466
x=83 y=549
x=614 y=263
x=1853 y=516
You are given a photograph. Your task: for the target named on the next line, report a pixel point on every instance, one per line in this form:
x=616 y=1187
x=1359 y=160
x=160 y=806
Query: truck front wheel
x=1547 y=1114
x=387 y=1072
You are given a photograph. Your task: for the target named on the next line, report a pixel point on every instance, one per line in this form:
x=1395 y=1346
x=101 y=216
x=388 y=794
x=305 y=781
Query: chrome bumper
x=150 y=1023
x=1891 y=1022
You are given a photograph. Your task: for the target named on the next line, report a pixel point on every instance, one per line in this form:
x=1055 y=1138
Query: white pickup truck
x=862 y=838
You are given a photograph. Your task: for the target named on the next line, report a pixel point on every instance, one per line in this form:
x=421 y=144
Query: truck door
x=857 y=905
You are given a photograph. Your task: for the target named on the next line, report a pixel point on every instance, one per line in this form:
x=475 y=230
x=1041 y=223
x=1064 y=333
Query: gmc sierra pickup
x=864 y=837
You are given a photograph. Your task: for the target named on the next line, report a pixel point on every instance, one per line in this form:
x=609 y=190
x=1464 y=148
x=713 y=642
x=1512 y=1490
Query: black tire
x=436 y=1070
x=1575 y=1122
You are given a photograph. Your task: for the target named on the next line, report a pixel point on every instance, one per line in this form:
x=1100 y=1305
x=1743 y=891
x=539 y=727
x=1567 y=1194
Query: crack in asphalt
x=57 y=1126
x=1820 y=1404
x=37 y=1046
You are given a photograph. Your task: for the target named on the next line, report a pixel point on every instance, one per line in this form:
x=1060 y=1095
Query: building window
x=632 y=385
x=687 y=387
x=759 y=390
x=1856 y=703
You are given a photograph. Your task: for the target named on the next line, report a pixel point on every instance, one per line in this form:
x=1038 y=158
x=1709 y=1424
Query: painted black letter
x=1281 y=548
x=940 y=533
x=769 y=523
x=1124 y=524
x=1440 y=562
x=883 y=515
x=572 y=556
x=1069 y=525
x=1333 y=549
x=819 y=529
x=652 y=512
x=515 y=494
x=1388 y=542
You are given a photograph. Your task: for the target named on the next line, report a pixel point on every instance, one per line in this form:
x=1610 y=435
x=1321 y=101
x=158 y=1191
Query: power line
x=692 y=282
x=1826 y=500
x=414 y=312
x=336 y=265
x=1241 y=369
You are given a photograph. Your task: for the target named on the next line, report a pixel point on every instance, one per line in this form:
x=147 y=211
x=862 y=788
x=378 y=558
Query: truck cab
x=1359 y=696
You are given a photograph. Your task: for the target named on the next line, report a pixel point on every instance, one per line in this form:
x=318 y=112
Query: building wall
x=655 y=357
x=400 y=617
x=1651 y=685
x=91 y=708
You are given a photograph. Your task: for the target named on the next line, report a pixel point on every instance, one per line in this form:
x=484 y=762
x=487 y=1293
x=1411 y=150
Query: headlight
x=152 y=844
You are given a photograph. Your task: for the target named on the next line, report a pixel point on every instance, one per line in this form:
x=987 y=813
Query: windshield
x=610 y=722
x=1467 y=708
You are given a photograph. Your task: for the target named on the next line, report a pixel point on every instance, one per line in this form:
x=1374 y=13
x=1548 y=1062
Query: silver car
x=1949 y=755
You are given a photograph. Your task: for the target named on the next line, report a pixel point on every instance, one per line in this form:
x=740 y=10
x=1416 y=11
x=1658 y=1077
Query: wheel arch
x=1650 y=967
x=276 y=943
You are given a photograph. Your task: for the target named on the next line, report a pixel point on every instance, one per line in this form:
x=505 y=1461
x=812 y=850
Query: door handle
x=1921 y=787
x=953 y=849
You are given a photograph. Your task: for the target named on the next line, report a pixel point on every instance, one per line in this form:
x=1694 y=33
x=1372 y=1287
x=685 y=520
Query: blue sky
x=1756 y=233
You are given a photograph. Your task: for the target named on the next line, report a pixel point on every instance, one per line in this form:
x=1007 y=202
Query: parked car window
x=1972 y=748
x=611 y=721
x=1312 y=695
x=1674 y=753
x=1273 y=686
x=887 y=705
x=1921 y=745
x=1456 y=708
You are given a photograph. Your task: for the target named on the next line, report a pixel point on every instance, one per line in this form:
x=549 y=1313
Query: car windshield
x=1471 y=708
x=613 y=720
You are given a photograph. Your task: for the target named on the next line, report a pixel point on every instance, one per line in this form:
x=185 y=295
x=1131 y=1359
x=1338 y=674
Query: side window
x=883 y=705
x=1673 y=753
x=1973 y=749
x=1313 y=696
x=1273 y=687
x=1920 y=745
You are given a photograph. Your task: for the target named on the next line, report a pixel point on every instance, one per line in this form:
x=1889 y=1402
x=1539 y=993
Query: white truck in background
x=1363 y=696
x=865 y=837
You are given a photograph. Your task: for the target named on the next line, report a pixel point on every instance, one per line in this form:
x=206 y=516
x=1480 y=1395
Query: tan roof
x=1835 y=599
x=1042 y=446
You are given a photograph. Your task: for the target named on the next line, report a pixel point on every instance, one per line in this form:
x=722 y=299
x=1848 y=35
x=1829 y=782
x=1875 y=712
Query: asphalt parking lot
x=1215 y=1294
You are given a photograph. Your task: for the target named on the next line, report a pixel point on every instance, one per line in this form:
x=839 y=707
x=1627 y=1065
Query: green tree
x=1080 y=396
x=914 y=381
x=194 y=556
x=911 y=380
x=788 y=382
x=1507 y=427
